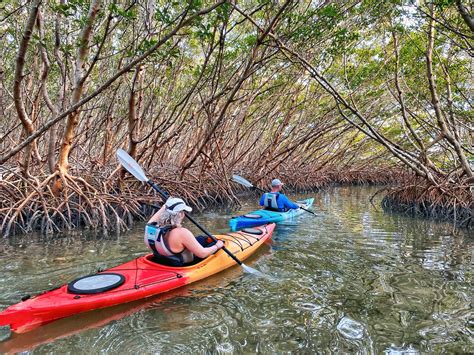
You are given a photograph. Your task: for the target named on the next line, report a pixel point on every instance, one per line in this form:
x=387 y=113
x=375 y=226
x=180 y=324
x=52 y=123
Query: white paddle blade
x=240 y=180
x=131 y=165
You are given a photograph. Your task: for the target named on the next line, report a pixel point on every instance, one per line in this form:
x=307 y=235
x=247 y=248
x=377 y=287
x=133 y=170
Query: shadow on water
x=350 y=279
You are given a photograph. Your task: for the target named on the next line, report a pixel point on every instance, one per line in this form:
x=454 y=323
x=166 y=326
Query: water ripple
x=350 y=329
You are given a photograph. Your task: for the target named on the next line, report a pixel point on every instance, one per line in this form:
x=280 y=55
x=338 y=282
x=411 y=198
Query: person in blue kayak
x=275 y=200
x=172 y=244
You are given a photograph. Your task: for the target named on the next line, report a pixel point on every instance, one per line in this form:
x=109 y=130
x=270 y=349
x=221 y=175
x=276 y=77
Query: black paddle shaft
x=165 y=196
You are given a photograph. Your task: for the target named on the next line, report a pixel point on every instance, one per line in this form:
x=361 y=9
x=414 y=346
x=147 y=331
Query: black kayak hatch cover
x=96 y=283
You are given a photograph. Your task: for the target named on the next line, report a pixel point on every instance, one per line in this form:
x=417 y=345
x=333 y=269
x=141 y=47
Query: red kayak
x=134 y=280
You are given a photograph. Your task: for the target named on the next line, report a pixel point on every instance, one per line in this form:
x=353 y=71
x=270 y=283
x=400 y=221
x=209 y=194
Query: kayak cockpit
x=151 y=259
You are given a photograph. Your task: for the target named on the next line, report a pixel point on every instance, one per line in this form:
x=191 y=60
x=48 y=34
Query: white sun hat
x=175 y=205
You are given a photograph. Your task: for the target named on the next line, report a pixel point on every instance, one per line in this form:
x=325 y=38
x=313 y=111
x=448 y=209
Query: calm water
x=350 y=280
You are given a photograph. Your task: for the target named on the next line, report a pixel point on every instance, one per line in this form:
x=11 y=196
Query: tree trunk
x=133 y=116
x=17 y=94
x=435 y=99
x=466 y=16
x=55 y=109
x=79 y=85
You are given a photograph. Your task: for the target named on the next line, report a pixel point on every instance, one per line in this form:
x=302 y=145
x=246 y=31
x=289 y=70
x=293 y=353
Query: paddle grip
x=160 y=191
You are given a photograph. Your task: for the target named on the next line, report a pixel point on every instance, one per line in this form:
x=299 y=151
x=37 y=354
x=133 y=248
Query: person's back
x=275 y=200
x=173 y=244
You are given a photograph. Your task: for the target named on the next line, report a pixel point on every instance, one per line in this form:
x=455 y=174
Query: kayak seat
x=275 y=209
x=204 y=240
x=166 y=262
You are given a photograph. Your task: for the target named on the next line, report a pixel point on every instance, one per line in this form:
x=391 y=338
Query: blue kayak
x=260 y=217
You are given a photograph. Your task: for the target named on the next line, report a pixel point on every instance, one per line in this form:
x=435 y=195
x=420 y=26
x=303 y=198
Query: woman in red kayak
x=173 y=244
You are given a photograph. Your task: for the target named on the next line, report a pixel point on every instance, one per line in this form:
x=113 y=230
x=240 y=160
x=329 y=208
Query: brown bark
x=79 y=83
x=55 y=108
x=108 y=129
x=435 y=99
x=17 y=92
x=133 y=115
x=466 y=16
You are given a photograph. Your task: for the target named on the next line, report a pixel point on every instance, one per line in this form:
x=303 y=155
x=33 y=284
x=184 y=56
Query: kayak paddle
x=133 y=168
x=240 y=180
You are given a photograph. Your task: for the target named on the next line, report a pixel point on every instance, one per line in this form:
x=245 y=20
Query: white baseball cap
x=276 y=182
x=175 y=205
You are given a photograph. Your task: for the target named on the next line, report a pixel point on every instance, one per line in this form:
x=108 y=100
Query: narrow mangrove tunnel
x=313 y=94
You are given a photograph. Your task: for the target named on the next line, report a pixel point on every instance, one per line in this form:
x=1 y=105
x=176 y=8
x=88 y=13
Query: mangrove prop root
x=54 y=202
x=446 y=202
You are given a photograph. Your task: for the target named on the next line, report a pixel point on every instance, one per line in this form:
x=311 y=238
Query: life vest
x=155 y=239
x=270 y=201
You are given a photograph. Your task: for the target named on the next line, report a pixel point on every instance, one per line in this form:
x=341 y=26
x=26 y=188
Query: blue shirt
x=283 y=202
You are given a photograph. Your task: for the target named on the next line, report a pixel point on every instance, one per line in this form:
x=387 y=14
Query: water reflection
x=351 y=279
x=350 y=329
x=401 y=350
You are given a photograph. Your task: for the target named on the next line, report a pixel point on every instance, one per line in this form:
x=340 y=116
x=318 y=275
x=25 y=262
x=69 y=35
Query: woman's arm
x=157 y=215
x=189 y=242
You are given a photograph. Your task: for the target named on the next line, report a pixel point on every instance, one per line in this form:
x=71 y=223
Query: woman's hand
x=219 y=244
